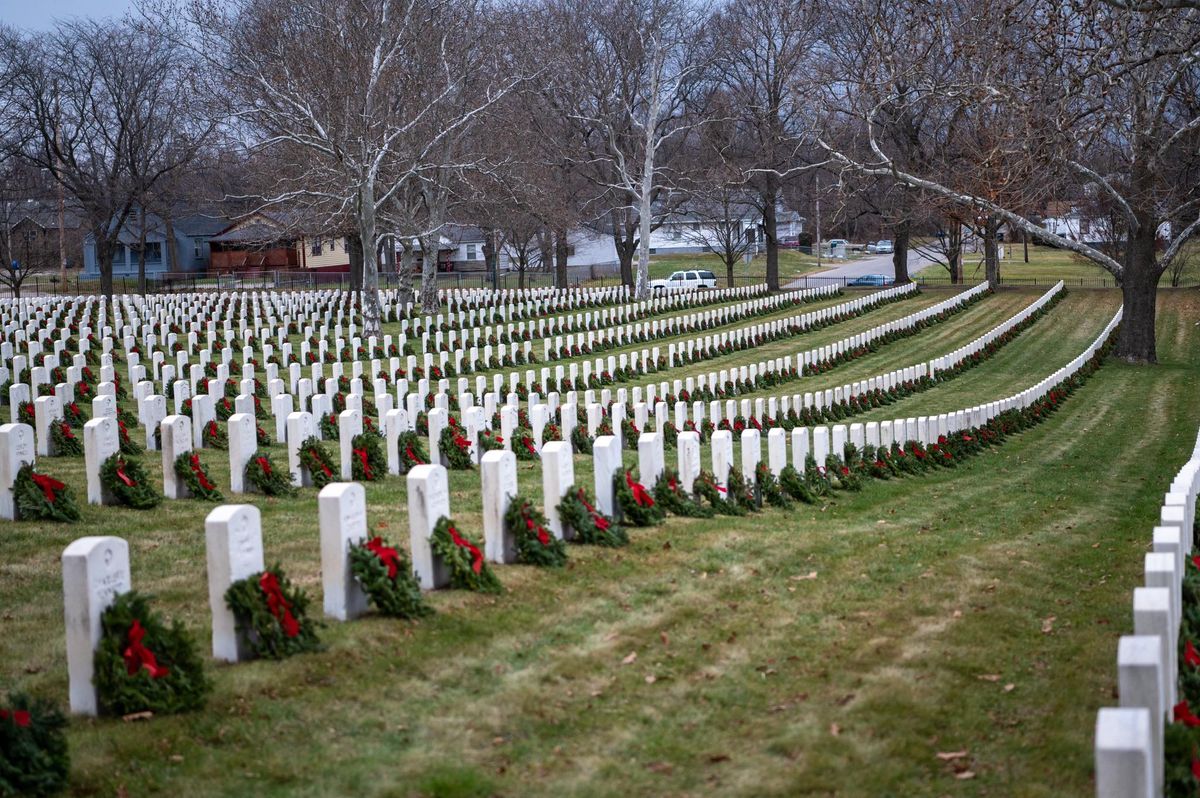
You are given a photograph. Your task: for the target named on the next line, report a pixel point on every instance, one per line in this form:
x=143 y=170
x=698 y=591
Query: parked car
x=872 y=280
x=678 y=281
x=885 y=247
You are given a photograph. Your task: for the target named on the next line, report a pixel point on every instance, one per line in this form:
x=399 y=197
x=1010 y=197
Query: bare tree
x=719 y=223
x=110 y=110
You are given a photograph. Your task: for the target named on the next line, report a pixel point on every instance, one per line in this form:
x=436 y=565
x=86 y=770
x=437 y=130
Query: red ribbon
x=18 y=716
x=198 y=470
x=386 y=554
x=542 y=536
x=1183 y=714
x=529 y=445
x=476 y=554
x=49 y=486
x=461 y=442
x=279 y=606
x=65 y=429
x=1190 y=655
x=640 y=494
x=138 y=656
x=121 y=475
x=411 y=456
x=264 y=464
x=361 y=454
x=599 y=520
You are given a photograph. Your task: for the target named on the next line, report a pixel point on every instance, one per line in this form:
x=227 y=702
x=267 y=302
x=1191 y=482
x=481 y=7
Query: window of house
x=199 y=247
x=570 y=250
x=696 y=226
x=472 y=251
x=676 y=233
x=119 y=256
x=316 y=246
x=154 y=252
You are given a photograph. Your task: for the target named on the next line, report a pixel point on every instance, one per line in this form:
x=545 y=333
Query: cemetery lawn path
x=824 y=650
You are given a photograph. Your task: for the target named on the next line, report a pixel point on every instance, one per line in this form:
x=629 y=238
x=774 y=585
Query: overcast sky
x=40 y=14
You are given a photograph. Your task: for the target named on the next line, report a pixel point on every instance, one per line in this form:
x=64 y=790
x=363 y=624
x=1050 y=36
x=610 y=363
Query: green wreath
x=143 y=665
x=66 y=442
x=39 y=497
x=261 y=437
x=412 y=450
x=578 y=511
x=796 y=486
x=580 y=441
x=267 y=479
x=271 y=615
x=707 y=488
x=455 y=448
x=743 y=492
x=316 y=459
x=524 y=447
x=34 y=758
x=329 y=427
x=769 y=489
x=387 y=578
x=367 y=460
x=127 y=481
x=74 y=415
x=128 y=445
x=669 y=493
x=468 y=569
x=489 y=442
x=636 y=503
x=215 y=436
x=192 y=473
x=535 y=544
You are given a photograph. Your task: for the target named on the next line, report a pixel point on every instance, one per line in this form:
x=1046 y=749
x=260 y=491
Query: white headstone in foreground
x=342 y=514
x=558 y=477
x=100 y=442
x=233 y=544
x=498 y=470
x=95 y=571
x=176 y=439
x=16 y=451
x=1124 y=753
x=428 y=501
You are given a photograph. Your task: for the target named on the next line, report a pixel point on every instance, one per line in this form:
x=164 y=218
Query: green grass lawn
x=828 y=649
x=1047 y=264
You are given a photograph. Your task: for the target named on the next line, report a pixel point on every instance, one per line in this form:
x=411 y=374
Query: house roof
x=44 y=213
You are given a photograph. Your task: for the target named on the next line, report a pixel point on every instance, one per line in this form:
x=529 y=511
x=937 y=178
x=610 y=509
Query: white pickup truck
x=696 y=278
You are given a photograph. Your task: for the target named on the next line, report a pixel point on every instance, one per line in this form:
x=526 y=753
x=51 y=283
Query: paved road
x=872 y=264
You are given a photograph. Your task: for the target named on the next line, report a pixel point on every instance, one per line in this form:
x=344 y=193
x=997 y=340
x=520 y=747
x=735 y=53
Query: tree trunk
x=954 y=252
x=1025 y=243
x=368 y=249
x=172 y=260
x=429 y=289
x=991 y=253
x=408 y=259
x=142 y=251
x=900 y=251
x=354 y=250
x=104 y=263
x=1139 y=290
x=522 y=259
x=770 y=225
x=641 y=285
x=625 y=251
x=562 y=250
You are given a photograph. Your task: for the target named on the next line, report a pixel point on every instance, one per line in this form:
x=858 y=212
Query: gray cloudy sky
x=40 y=14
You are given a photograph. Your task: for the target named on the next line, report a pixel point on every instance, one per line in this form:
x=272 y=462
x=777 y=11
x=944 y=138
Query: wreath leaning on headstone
x=127 y=481
x=191 y=471
x=455 y=448
x=128 y=444
x=143 y=665
x=578 y=511
x=34 y=759
x=412 y=452
x=267 y=479
x=637 y=505
x=271 y=615
x=215 y=436
x=523 y=445
x=769 y=489
x=387 y=578
x=316 y=459
x=66 y=442
x=535 y=543
x=367 y=460
x=40 y=497
x=464 y=559
x=706 y=487
x=669 y=493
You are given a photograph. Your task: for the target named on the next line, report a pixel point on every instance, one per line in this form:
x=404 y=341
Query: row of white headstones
x=1129 y=739
x=97 y=568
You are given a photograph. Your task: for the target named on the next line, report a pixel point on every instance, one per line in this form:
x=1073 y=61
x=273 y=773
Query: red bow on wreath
x=138 y=656
x=65 y=429
x=529 y=445
x=1190 y=655
x=264 y=464
x=408 y=451
x=1183 y=714
x=599 y=520
x=49 y=485
x=279 y=606
x=18 y=716
x=386 y=554
x=542 y=536
x=198 y=470
x=121 y=475
x=640 y=494
x=476 y=554
x=361 y=454
x=461 y=442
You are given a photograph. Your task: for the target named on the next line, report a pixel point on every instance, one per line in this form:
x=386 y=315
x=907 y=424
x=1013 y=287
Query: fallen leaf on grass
x=966 y=774
x=651 y=679
x=809 y=575
x=660 y=767
x=715 y=758
x=948 y=756
x=835 y=729
x=666 y=641
x=1048 y=624
x=1008 y=688
x=629 y=660
x=989 y=677
x=132 y=716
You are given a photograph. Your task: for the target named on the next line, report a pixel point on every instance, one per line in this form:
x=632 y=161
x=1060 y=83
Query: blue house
x=189 y=246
